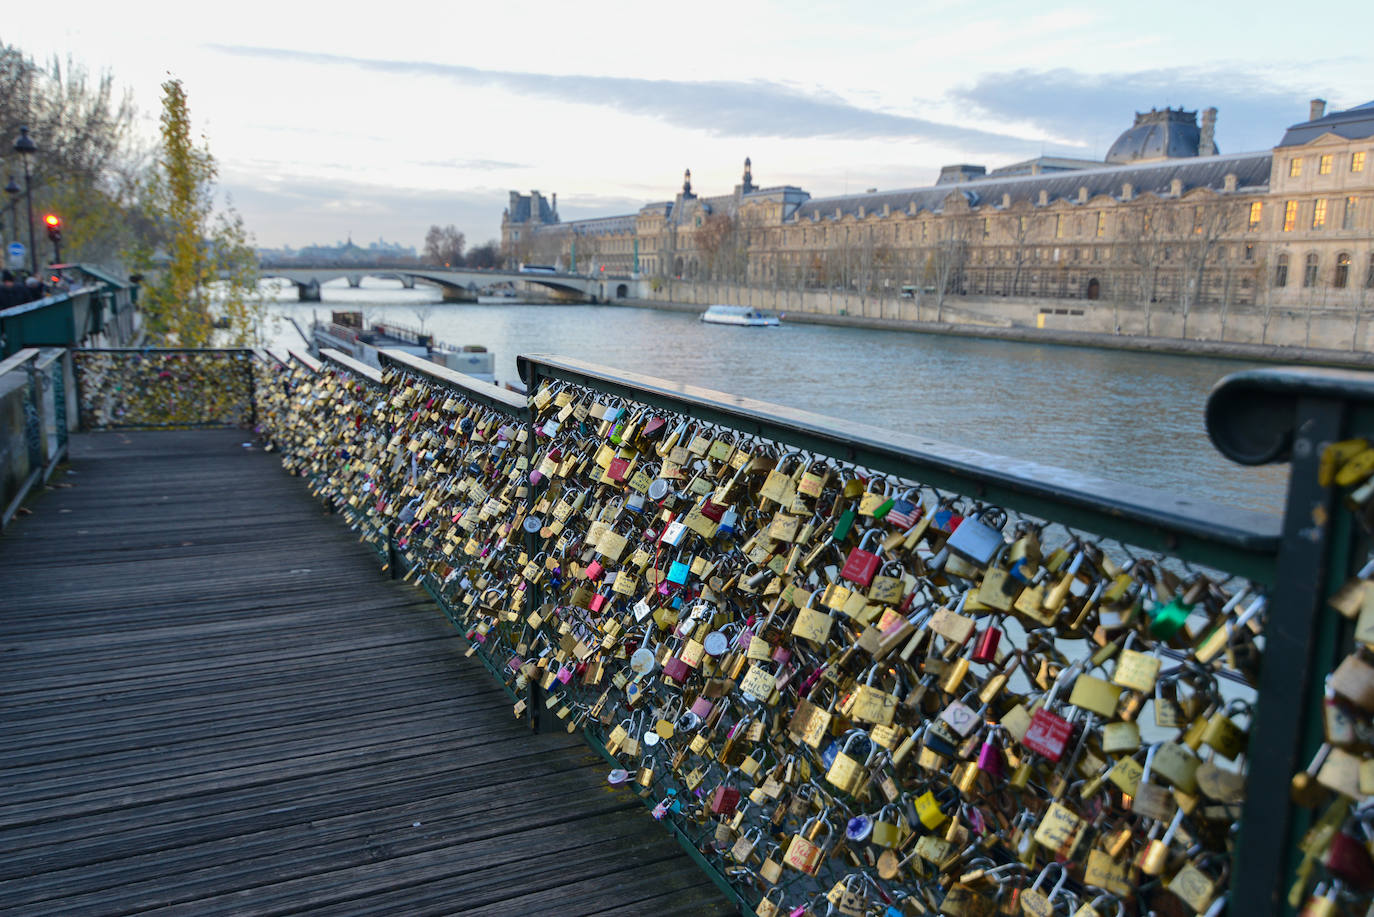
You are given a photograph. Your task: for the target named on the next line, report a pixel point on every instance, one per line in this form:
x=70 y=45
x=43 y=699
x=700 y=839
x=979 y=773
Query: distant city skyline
x=432 y=113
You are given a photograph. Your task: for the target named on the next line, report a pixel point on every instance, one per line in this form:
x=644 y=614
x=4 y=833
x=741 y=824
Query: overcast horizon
x=338 y=126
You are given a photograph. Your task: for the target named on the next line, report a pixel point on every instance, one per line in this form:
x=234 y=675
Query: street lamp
x=25 y=147
x=13 y=189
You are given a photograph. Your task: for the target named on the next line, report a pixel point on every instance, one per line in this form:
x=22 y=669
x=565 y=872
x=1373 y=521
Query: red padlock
x=619 y=468
x=985 y=650
x=593 y=571
x=676 y=669
x=1348 y=859
x=724 y=800
x=713 y=511
x=861 y=565
x=1048 y=734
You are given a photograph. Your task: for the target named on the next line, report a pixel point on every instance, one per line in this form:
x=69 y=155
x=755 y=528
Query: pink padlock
x=781 y=655
x=702 y=707
x=594 y=570
x=990 y=758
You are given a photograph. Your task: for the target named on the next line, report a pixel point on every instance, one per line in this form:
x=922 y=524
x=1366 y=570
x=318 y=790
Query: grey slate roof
x=1353 y=124
x=1153 y=139
x=1251 y=169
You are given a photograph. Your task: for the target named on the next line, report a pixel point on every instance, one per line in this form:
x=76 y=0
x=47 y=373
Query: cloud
x=722 y=108
x=1253 y=109
x=474 y=165
x=300 y=211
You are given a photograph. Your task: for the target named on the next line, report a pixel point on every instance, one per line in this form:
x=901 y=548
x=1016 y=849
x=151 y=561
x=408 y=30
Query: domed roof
x=1167 y=134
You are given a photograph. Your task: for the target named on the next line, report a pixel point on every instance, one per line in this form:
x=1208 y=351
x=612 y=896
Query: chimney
x=1316 y=110
x=1207 y=142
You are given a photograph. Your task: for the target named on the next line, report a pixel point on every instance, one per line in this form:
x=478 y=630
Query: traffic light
x=54 y=224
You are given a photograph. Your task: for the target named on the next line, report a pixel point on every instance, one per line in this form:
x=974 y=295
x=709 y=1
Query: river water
x=1111 y=414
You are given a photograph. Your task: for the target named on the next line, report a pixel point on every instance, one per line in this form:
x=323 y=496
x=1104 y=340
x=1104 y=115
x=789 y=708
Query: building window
x=1342 y=271
x=1319 y=214
x=1249 y=253
x=1256 y=213
x=1059 y=226
x=1357 y=162
x=1309 y=271
x=1348 y=221
x=1324 y=165
x=1369 y=274
x=986 y=231
x=1101 y=223
x=1295 y=167
x=924 y=234
x=1281 y=272
x=1290 y=215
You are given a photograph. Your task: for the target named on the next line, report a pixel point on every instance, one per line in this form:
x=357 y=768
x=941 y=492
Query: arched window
x=1281 y=272
x=1309 y=271
x=1342 y=271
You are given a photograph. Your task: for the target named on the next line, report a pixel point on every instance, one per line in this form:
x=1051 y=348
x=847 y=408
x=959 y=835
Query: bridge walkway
x=214 y=702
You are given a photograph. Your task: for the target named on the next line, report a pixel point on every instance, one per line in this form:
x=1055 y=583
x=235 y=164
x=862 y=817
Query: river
x=1112 y=414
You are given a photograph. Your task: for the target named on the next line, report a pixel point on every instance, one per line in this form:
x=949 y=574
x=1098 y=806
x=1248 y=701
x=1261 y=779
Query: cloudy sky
x=378 y=121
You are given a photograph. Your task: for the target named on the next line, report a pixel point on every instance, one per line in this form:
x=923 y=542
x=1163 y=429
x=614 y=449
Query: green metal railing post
x=1258 y=417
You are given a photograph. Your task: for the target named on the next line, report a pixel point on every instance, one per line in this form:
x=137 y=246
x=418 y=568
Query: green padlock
x=843 y=525
x=1167 y=620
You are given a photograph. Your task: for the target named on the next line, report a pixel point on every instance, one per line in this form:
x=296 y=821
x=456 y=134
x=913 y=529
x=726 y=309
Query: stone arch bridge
x=457 y=284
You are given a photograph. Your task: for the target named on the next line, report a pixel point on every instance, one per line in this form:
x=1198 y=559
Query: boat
x=739 y=315
x=345 y=331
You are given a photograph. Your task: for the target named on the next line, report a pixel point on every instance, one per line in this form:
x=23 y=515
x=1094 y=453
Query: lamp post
x=25 y=147
x=13 y=189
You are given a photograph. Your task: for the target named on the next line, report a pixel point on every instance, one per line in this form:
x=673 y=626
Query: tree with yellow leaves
x=204 y=252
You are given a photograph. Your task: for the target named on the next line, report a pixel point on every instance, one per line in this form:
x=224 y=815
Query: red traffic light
x=53 y=221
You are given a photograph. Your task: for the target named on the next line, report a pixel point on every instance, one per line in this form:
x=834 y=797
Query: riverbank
x=1233 y=350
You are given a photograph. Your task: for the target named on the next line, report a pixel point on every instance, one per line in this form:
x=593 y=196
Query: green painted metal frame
x=1274 y=416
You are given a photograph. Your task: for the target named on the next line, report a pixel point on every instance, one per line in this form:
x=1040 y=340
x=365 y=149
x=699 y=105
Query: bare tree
x=444 y=245
x=1023 y=229
x=948 y=259
x=486 y=255
x=1200 y=246
x=1144 y=227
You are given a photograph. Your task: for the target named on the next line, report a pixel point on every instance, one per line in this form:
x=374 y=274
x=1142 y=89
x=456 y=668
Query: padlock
x=861 y=564
x=1035 y=901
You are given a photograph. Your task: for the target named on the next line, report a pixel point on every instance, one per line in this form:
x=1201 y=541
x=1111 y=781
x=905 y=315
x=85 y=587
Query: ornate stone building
x=1165 y=218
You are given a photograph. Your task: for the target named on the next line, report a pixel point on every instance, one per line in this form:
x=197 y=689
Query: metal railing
x=510 y=581
x=153 y=388
x=500 y=506
x=33 y=398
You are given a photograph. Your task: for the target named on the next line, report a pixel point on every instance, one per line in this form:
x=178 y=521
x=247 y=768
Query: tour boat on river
x=739 y=315
x=344 y=331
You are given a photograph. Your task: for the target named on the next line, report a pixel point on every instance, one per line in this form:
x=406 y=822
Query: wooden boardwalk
x=212 y=702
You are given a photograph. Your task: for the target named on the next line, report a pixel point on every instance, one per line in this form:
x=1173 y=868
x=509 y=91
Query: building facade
x=1165 y=218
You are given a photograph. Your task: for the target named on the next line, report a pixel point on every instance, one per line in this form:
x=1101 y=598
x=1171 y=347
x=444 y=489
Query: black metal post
x=25 y=147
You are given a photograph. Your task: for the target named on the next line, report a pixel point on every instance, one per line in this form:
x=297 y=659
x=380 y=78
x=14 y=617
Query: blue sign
x=16 y=251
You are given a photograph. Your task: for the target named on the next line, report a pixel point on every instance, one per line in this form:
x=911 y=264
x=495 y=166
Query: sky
x=378 y=121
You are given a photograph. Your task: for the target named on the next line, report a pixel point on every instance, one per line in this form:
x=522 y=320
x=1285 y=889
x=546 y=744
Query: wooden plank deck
x=213 y=702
